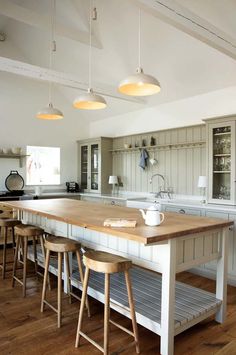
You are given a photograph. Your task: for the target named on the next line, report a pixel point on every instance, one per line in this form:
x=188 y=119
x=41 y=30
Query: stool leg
x=82 y=279
x=132 y=311
x=106 y=314
x=35 y=256
x=59 y=287
x=68 y=275
x=25 y=265
x=44 y=258
x=4 y=235
x=45 y=279
x=13 y=238
x=81 y=310
x=15 y=260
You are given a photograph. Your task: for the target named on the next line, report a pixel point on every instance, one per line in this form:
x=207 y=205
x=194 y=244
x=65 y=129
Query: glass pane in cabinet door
x=84 y=167
x=94 y=167
x=221 y=162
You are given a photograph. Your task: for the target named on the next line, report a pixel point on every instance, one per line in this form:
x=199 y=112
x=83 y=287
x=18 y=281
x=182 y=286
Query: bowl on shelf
x=16 y=150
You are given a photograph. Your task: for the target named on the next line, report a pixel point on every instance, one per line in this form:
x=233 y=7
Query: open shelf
x=160 y=146
x=191 y=303
x=14 y=156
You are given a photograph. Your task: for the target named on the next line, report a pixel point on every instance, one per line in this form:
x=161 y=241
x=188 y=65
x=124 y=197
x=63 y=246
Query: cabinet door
x=84 y=167
x=94 y=168
x=114 y=202
x=221 y=174
x=183 y=210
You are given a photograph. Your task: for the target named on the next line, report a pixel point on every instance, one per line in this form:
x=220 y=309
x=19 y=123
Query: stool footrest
x=50 y=306
x=99 y=347
x=122 y=328
x=75 y=296
x=18 y=280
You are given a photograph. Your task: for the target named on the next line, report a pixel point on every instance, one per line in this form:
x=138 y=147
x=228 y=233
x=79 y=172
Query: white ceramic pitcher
x=152 y=217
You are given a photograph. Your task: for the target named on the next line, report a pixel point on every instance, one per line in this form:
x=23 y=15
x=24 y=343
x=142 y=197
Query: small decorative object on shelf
x=143 y=142
x=136 y=145
x=152 y=141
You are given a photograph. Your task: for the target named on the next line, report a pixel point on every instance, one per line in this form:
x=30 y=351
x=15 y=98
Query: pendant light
x=90 y=100
x=50 y=112
x=139 y=84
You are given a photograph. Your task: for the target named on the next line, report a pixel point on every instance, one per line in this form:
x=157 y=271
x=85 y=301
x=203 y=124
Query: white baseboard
x=211 y=274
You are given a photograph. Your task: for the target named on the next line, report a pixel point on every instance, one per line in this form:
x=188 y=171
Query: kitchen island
x=163 y=305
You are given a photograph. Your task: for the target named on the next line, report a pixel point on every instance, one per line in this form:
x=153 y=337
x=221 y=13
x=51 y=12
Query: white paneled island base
x=163 y=305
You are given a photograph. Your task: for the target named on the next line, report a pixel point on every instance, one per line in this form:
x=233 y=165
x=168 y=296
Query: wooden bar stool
x=62 y=246
x=107 y=263
x=5 y=224
x=24 y=232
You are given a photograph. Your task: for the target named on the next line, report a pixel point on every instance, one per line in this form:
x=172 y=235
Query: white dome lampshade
x=90 y=101
x=139 y=84
x=50 y=113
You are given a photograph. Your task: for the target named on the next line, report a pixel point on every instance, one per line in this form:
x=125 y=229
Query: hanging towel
x=143 y=159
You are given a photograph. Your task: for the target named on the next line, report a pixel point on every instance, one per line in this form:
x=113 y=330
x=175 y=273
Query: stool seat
x=61 y=244
x=27 y=230
x=100 y=261
x=9 y=222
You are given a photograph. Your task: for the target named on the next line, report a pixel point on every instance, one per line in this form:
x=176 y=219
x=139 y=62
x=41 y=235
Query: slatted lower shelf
x=192 y=304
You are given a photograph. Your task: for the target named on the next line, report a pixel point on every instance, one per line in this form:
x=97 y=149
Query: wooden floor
x=24 y=330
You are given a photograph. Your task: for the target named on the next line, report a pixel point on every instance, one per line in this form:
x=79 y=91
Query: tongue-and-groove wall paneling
x=180 y=155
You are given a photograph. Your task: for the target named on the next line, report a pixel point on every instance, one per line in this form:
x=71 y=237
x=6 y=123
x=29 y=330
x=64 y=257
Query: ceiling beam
x=38 y=73
x=185 y=20
x=29 y=17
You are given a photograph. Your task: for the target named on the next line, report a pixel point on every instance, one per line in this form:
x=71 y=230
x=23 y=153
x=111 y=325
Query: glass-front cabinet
x=95 y=164
x=221 y=162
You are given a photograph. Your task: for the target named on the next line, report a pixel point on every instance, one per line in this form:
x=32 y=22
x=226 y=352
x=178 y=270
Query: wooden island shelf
x=163 y=305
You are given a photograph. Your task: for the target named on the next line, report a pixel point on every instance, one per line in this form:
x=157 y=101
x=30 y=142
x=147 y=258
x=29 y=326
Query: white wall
x=180 y=113
x=20 y=99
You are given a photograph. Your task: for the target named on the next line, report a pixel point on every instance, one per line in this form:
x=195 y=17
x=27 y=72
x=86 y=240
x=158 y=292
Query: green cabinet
x=95 y=164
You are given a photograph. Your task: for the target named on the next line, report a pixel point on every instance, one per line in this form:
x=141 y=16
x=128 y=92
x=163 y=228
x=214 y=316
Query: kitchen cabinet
x=103 y=200
x=114 y=202
x=91 y=199
x=221 y=161
x=182 y=210
x=95 y=164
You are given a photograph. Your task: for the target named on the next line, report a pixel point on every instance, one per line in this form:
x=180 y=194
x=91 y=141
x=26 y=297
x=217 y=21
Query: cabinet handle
x=182 y=211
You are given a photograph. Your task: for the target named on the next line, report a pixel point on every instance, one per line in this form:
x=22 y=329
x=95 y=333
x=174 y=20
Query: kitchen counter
x=87 y=215
x=163 y=305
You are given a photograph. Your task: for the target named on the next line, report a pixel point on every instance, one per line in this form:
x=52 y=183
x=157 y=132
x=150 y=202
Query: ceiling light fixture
x=90 y=100
x=139 y=84
x=50 y=112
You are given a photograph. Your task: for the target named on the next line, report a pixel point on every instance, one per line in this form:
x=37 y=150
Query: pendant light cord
x=139 y=39
x=90 y=45
x=52 y=44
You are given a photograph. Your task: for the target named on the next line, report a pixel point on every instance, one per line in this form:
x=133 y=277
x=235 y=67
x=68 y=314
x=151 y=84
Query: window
x=43 y=166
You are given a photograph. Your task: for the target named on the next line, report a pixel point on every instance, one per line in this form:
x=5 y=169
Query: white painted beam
x=185 y=20
x=60 y=78
x=29 y=17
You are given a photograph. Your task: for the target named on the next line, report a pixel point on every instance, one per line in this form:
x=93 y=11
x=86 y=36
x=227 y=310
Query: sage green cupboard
x=95 y=164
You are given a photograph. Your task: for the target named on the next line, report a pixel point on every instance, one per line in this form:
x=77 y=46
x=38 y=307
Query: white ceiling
x=185 y=66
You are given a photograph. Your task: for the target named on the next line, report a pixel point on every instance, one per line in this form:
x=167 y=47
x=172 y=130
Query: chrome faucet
x=163 y=190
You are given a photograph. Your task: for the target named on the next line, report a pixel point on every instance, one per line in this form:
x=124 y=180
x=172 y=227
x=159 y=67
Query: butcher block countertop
x=91 y=216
